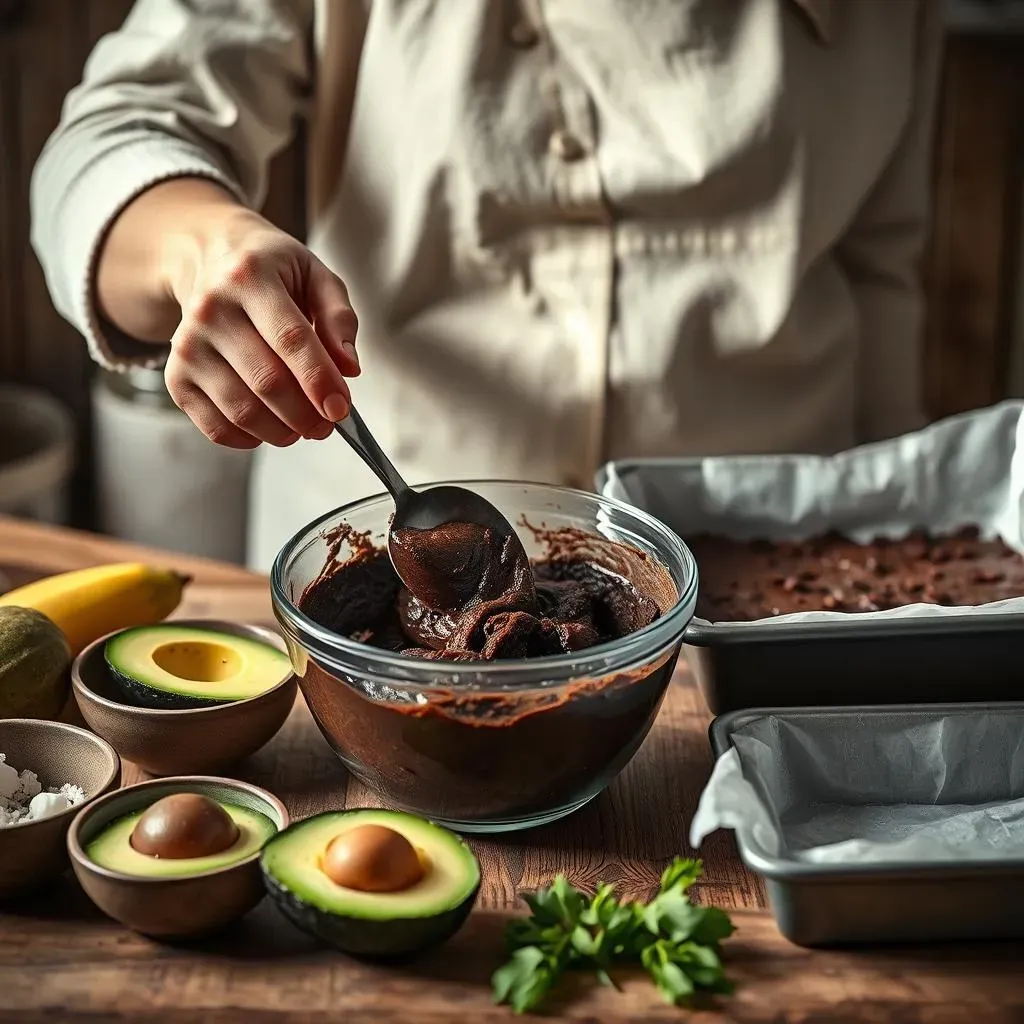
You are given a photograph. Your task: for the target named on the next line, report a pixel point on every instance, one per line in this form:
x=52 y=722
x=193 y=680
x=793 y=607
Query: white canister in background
x=37 y=454
x=159 y=481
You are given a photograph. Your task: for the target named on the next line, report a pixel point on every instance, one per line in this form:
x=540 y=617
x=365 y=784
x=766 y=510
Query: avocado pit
x=372 y=858
x=184 y=825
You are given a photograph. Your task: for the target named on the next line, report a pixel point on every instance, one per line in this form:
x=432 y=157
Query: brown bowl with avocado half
x=185 y=697
x=176 y=857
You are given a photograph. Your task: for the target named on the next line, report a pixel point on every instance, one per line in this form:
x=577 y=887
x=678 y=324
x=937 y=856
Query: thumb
x=333 y=318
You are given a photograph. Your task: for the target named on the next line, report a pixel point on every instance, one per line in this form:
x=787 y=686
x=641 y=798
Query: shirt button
x=523 y=35
x=565 y=146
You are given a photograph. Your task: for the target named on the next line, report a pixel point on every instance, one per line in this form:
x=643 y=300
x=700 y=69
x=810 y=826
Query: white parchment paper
x=967 y=470
x=882 y=787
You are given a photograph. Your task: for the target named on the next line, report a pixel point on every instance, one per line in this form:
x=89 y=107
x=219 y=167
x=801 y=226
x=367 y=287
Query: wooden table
x=61 y=960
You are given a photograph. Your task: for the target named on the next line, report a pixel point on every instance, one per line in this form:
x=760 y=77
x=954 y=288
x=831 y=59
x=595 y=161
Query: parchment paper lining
x=967 y=470
x=883 y=787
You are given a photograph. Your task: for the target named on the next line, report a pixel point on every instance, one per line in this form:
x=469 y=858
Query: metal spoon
x=430 y=507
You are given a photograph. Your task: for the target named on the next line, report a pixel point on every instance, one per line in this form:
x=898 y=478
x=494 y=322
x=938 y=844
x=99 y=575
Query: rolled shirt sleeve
x=206 y=88
x=882 y=253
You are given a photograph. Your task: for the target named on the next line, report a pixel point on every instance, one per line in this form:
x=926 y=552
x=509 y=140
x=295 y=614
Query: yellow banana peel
x=89 y=603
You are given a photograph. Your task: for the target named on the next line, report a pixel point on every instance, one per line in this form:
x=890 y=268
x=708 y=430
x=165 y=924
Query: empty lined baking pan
x=877 y=824
x=965 y=472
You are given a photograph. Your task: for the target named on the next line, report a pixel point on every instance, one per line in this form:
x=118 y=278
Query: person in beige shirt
x=572 y=230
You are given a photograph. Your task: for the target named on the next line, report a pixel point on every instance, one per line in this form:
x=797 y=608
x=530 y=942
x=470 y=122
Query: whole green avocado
x=34 y=662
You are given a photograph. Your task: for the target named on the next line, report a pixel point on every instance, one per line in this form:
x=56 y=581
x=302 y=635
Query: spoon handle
x=355 y=431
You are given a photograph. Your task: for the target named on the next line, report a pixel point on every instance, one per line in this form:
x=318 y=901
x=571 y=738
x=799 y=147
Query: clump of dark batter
x=455 y=565
x=481 y=604
x=746 y=580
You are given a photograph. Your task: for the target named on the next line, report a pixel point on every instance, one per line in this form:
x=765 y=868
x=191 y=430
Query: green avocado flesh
x=372 y=923
x=112 y=848
x=170 y=667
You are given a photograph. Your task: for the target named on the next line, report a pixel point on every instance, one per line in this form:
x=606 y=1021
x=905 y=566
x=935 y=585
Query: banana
x=89 y=603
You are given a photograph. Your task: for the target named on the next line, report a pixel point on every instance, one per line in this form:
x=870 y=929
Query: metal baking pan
x=967 y=470
x=808 y=765
x=904 y=661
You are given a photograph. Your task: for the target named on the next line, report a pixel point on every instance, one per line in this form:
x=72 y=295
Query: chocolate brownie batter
x=469 y=753
x=477 y=598
x=455 y=565
x=746 y=580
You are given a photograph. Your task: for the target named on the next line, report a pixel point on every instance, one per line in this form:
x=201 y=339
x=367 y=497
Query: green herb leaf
x=601 y=905
x=584 y=942
x=713 y=927
x=526 y=979
x=672 y=914
x=526 y=932
x=559 y=904
x=681 y=874
x=673 y=982
x=675 y=941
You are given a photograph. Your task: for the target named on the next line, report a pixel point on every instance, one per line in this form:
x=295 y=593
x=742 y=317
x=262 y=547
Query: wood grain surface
x=61 y=960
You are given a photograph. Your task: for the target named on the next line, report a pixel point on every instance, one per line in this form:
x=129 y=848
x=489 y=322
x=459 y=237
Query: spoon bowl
x=430 y=509
x=447 y=503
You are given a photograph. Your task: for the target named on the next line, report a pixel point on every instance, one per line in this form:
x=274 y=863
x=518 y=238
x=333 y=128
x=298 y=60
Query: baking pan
x=907 y=661
x=878 y=769
x=964 y=471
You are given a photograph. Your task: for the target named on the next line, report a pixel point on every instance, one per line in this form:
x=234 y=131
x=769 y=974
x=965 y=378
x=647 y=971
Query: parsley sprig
x=676 y=941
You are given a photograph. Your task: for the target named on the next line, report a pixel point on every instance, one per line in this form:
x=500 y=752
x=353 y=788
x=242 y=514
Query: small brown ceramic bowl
x=197 y=741
x=33 y=852
x=178 y=907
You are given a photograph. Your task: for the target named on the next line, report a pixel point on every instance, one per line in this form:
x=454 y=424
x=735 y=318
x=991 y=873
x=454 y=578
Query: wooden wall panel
x=10 y=355
x=43 y=48
x=973 y=267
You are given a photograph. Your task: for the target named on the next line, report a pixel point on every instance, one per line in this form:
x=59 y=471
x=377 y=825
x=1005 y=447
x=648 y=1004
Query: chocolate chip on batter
x=833 y=572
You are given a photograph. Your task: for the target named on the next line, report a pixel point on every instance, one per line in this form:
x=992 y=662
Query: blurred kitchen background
x=112 y=453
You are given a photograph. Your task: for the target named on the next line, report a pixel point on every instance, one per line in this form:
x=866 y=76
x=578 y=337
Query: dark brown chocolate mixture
x=465 y=754
x=485 y=605
x=745 y=580
x=453 y=566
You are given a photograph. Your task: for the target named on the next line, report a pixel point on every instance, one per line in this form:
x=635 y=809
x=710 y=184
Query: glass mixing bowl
x=500 y=745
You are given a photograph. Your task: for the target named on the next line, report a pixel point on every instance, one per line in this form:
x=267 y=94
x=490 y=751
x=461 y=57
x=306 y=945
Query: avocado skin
x=398 y=937
x=34 y=662
x=161 y=700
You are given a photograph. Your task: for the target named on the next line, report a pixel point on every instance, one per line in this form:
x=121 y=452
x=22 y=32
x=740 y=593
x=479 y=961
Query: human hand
x=267 y=333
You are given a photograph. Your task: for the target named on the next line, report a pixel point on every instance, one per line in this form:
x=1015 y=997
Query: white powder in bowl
x=22 y=797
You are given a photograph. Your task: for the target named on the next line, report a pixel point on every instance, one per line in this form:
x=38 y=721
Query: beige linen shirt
x=573 y=230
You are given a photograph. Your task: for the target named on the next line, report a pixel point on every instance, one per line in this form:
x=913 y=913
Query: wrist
x=147 y=258
x=194 y=217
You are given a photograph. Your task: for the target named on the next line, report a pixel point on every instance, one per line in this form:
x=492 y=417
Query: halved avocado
x=373 y=924
x=112 y=847
x=175 y=667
